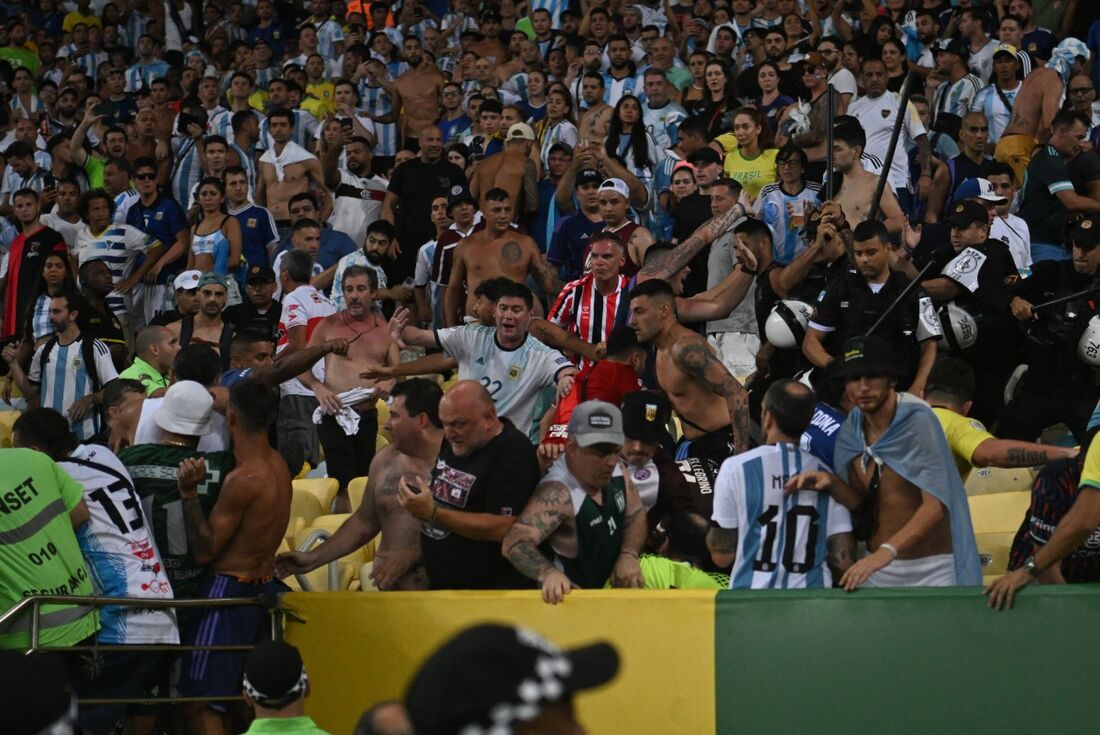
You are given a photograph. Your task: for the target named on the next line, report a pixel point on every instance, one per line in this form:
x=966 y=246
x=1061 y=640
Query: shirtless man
x=512 y=169
x=368 y=337
x=595 y=523
x=207 y=327
x=712 y=405
x=416 y=438
x=287 y=169
x=418 y=92
x=497 y=250
x=1036 y=104
x=857 y=186
x=237 y=544
x=597 y=118
x=614 y=199
x=921 y=535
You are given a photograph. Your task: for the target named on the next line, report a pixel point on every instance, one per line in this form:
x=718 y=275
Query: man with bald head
x=485 y=474
x=155 y=349
x=408 y=204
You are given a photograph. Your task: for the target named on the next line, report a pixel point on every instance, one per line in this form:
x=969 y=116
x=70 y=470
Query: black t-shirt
x=165 y=318
x=687 y=216
x=1055 y=334
x=499 y=478
x=103 y=326
x=997 y=332
x=416 y=184
x=245 y=318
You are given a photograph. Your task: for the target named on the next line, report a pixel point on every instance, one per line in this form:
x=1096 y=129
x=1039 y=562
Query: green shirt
x=20 y=57
x=94 y=168
x=286 y=726
x=145 y=374
x=39 y=554
x=153 y=468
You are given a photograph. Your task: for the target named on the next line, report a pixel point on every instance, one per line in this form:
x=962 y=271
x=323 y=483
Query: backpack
x=87 y=353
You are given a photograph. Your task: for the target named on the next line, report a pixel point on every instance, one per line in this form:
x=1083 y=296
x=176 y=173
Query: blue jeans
x=1048 y=251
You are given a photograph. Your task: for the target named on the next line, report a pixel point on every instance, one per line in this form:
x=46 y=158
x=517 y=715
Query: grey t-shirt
x=719 y=264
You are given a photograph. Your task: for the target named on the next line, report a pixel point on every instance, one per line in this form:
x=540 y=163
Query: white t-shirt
x=781 y=540
x=844 y=82
x=1015 y=233
x=512 y=377
x=306 y=307
x=357 y=204
x=877 y=115
x=278 y=263
x=66 y=229
x=148 y=432
x=118 y=546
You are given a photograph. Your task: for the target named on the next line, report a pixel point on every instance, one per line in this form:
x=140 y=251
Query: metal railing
x=35 y=604
x=319 y=534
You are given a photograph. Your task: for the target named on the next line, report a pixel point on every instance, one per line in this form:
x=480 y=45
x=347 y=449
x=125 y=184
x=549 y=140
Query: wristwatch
x=1031 y=567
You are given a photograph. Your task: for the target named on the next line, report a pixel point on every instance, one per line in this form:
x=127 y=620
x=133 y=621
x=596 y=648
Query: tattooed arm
x=722 y=544
x=840 y=553
x=707 y=232
x=550 y=506
x=695 y=359
x=539 y=270
x=1009 y=453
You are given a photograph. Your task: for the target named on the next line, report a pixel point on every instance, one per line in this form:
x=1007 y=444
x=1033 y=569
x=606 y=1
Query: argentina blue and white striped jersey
x=329 y=33
x=376 y=102
x=265 y=75
x=123 y=201
x=222 y=123
x=141 y=75
x=989 y=103
x=65 y=380
x=663 y=123
x=781 y=540
x=137 y=25
x=554 y=7
x=247 y=163
x=118 y=246
x=514 y=378
x=185 y=170
x=117 y=543
x=773 y=207
x=614 y=88
x=305 y=129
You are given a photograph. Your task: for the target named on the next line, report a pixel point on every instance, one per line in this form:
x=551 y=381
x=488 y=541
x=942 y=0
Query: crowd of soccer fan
x=708 y=294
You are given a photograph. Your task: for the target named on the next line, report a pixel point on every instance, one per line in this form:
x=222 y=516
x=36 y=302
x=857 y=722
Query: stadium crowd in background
x=719 y=293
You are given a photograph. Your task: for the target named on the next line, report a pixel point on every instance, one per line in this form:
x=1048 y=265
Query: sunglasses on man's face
x=145 y=177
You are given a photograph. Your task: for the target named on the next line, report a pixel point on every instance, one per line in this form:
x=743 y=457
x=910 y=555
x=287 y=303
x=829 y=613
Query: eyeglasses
x=145 y=177
x=789 y=162
x=1080 y=90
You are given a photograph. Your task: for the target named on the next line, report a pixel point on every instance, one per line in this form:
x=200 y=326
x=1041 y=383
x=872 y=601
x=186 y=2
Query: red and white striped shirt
x=582 y=310
x=306 y=307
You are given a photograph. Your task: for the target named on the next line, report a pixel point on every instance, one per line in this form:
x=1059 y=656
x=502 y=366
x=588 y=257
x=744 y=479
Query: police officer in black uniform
x=855 y=300
x=1059 y=386
x=259 y=312
x=977 y=277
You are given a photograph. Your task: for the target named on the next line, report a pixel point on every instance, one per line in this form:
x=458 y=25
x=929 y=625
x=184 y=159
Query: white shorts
x=927 y=571
x=737 y=351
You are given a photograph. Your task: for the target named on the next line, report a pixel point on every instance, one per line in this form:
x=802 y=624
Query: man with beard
x=408 y=203
x=342 y=394
x=357 y=195
x=417 y=93
x=208 y=327
x=286 y=169
x=259 y=312
x=596 y=119
x=375 y=251
x=971 y=163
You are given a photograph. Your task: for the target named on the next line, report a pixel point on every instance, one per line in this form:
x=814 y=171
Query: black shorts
x=119 y=675
x=716 y=446
x=348 y=457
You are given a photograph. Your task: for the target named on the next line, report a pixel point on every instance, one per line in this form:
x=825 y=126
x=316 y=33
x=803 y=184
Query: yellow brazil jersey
x=964 y=434
x=1090 y=475
x=752 y=173
x=324 y=95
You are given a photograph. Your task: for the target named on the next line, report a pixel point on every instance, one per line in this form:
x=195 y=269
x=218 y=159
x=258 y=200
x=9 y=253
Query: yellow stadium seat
x=450 y=382
x=356 y=488
x=306 y=469
x=383 y=417
x=381 y=442
x=366 y=584
x=994 y=549
x=347 y=566
x=7 y=419
x=677 y=428
x=992 y=480
x=322 y=488
x=318 y=578
x=304 y=508
x=999 y=512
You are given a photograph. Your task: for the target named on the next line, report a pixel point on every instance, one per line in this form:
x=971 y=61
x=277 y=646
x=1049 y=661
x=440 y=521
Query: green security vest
x=599 y=534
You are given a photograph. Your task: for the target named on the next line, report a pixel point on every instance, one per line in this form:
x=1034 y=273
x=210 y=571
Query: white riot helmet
x=960 y=328
x=1088 y=347
x=786 y=324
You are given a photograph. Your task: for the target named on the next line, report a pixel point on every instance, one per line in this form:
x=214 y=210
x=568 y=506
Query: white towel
x=346 y=417
x=292 y=153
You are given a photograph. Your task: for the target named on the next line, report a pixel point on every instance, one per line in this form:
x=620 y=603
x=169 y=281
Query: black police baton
x=904 y=292
x=1064 y=299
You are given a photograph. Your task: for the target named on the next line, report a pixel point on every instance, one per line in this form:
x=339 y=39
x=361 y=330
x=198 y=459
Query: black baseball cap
x=588 y=176
x=967 y=212
x=459 y=194
x=646 y=413
x=260 y=274
x=866 y=356
x=493 y=676
x=955 y=46
x=705 y=155
x=1086 y=233
x=274 y=675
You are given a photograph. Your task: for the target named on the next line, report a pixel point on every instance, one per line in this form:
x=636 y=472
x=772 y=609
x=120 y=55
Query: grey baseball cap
x=597 y=422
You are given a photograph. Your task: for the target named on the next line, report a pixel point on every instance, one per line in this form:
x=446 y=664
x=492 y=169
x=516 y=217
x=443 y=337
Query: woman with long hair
x=752 y=161
x=57 y=278
x=897 y=66
x=215 y=236
x=771 y=101
x=881 y=30
x=559 y=125
x=628 y=142
x=718 y=102
x=696 y=91
x=681 y=186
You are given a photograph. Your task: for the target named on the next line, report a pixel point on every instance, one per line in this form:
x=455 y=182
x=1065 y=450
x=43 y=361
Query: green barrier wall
x=907 y=661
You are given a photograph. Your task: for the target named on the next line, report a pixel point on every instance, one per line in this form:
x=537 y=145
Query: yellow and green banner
x=897 y=661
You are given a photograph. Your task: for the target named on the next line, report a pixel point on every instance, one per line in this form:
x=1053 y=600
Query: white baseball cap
x=520 y=131
x=978 y=189
x=186 y=410
x=187 y=280
x=616 y=185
